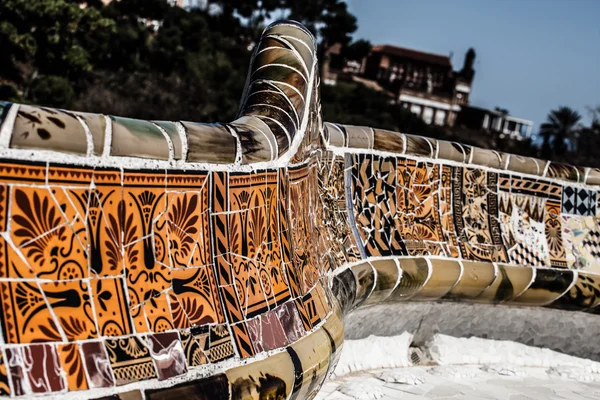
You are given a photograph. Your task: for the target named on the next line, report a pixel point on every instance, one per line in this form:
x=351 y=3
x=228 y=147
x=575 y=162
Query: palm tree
x=561 y=125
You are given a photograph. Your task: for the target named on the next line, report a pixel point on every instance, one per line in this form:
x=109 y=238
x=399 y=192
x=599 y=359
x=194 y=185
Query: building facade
x=424 y=83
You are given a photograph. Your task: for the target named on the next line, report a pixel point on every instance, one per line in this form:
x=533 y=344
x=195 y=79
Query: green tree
x=561 y=126
x=52 y=37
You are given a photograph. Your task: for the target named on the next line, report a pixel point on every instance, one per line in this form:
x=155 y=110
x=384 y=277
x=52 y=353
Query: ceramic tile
x=48 y=129
x=210 y=143
x=365 y=282
x=137 y=138
x=445 y=274
x=476 y=277
x=96 y=124
x=97 y=365
x=257 y=141
x=42 y=366
x=271 y=378
x=215 y=387
x=167 y=352
x=171 y=129
x=548 y=285
x=130 y=360
x=193 y=347
x=414 y=275
x=72 y=363
x=387 y=275
x=110 y=304
x=71 y=304
x=509 y=283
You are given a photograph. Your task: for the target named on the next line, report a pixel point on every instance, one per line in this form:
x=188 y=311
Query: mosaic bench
x=157 y=260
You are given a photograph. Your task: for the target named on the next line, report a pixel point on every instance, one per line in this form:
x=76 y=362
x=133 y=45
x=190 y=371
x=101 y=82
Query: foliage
x=561 y=127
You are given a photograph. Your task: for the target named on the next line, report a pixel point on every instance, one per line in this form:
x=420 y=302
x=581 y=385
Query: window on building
x=440 y=117
x=486 y=121
x=415 y=109
x=428 y=115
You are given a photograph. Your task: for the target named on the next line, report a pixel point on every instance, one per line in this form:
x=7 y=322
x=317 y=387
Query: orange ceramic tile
x=104 y=220
x=196 y=292
x=34 y=172
x=158 y=313
x=145 y=276
x=11 y=263
x=138 y=316
x=72 y=307
x=110 y=303
x=41 y=232
x=72 y=363
x=26 y=316
x=73 y=217
x=180 y=318
x=4 y=203
x=189 y=240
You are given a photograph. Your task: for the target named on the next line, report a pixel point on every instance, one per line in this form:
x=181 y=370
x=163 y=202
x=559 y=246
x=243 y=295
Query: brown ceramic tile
x=359 y=137
x=210 y=143
x=4 y=372
x=215 y=387
x=488 y=158
x=451 y=151
x=137 y=138
x=256 y=138
x=158 y=313
x=510 y=282
x=414 y=275
x=526 y=165
x=476 y=277
x=393 y=142
x=419 y=146
x=565 y=171
x=97 y=365
x=167 y=352
x=444 y=275
x=593 y=176
x=96 y=123
x=314 y=352
x=173 y=134
x=16 y=371
x=584 y=294
x=548 y=285
x=365 y=278
x=290 y=321
x=272 y=378
x=193 y=347
x=48 y=129
x=130 y=360
x=42 y=364
x=196 y=291
x=336 y=135
x=387 y=275
x=26 y=317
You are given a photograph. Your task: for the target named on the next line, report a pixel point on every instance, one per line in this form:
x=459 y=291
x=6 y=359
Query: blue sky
x=532 y=55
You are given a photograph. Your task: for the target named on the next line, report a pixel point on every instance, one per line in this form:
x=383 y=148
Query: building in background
x=497 y=121
x=425 y=84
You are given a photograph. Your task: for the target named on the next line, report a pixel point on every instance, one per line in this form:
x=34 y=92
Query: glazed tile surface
x=159 y=259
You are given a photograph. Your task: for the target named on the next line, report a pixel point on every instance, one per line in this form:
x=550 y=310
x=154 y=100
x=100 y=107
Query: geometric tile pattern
x=578 y=201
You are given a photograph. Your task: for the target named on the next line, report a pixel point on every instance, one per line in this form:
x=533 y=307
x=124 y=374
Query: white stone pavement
x=458 y=368
x=463 y=382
